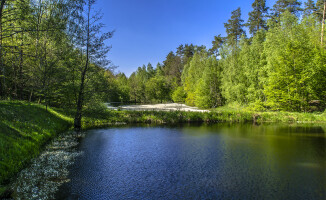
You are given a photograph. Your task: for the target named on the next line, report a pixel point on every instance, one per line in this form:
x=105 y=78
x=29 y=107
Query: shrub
x=179 y=95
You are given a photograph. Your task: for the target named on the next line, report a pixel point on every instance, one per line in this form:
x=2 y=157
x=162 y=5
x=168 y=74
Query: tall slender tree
x=234 y=27
x=90 y=40
x=172 y=69
x=320 y=9
x=280 y=6
x=323 y=25
x=309 y=8
x=217 y=44
x=257 y=17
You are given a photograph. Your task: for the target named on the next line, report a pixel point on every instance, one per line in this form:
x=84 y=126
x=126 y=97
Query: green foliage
x=234 y=27
x=279 y=69
x=281 y=6
x=257 y=17
x=290 y=65
x=95 y=109
x=320 y=10
x=40 y=61
x=157 y=89
x=123 y=89
x=309 y=8
x=217 y=44
x=208 y=92
x=172 y=69
x=202 y=81
x=24 y=129
x=192 y=73
x=179 y=95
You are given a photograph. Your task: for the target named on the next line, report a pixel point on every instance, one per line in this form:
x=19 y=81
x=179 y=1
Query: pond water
x=221 y=161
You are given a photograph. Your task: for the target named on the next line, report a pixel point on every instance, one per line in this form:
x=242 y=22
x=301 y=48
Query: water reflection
x=221 y=161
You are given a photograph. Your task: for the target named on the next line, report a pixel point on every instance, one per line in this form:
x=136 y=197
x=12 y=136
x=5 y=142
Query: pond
x=221 y=161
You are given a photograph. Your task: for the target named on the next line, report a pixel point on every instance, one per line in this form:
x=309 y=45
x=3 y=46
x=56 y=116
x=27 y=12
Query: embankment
x=24 y=129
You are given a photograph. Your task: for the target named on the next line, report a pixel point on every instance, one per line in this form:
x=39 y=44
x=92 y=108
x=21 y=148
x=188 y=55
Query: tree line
x=279 y=65
x=53 y=52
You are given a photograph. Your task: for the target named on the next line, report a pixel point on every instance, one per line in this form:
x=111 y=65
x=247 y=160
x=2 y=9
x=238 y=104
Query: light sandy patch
x=161 y=107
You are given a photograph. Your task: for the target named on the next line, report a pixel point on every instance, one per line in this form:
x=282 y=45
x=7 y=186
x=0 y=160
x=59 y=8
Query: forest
x=53 y=52
x=56 y=75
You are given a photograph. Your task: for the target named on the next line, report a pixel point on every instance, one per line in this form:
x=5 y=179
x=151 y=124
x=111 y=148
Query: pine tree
x=217 y=44
x=309 y=8
x=150 y=70
x=234 y=27
x=172 y=69
x=323 y=24
x=293 y=6
x=320 y=9
x=159 y=70
x=257 y=17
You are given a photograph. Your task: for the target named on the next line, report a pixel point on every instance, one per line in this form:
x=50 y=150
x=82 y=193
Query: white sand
x=161 y=107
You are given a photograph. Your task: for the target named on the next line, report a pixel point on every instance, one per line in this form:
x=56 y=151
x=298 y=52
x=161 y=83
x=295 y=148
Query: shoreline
x=33 y=127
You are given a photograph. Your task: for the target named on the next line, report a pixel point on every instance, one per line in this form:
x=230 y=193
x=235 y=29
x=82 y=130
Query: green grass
x=26 y=127
x=223 y=114
x=244 y=114
x=2 y=190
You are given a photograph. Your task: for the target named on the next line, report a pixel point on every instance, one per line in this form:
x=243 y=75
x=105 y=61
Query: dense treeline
x=39 y=60
x=53 y=52
x=281 y=65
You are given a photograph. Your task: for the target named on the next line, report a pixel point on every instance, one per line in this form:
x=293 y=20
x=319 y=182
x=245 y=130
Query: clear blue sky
x=147 y=30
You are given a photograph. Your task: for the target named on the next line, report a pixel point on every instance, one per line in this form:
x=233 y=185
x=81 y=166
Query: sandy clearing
x=159 y=107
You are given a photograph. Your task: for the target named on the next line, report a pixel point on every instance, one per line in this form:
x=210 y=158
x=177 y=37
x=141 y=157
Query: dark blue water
x=200 y=162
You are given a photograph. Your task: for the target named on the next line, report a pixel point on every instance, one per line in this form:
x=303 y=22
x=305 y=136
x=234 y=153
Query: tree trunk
x=45 y=77
x=31 y=95
x=20 y=77
x=1 y=56
x=80 y=100
x=323 y=25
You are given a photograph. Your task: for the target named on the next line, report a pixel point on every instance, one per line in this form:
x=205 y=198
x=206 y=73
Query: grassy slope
x=26 y=127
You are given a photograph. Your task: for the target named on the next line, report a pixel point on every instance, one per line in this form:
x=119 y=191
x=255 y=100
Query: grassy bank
x=26 y=127
x=246 y=114
x=102 y=117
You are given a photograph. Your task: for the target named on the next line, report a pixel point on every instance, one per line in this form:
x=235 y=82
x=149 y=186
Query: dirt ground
x=160 y=107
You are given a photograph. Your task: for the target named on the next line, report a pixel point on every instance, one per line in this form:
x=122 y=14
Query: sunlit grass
x=24 y=129
x=246 y=114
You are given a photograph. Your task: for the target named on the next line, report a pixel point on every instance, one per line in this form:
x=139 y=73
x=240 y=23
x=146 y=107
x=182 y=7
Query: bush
x=96 y=110
x=179 y=95
x=257 y=106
